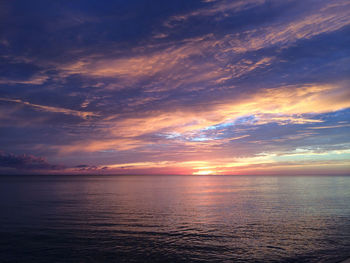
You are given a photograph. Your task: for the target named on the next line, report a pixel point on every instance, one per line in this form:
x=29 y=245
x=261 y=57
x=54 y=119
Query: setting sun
x=175 y=131
x=204 y=172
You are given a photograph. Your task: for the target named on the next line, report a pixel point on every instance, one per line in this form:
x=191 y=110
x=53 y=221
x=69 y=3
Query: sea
x=174 y=218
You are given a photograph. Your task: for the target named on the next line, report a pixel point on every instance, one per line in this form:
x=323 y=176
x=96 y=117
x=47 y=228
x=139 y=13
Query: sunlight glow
x=204 y=172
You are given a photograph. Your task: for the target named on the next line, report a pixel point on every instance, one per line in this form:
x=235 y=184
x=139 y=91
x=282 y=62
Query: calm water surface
x=174 y=219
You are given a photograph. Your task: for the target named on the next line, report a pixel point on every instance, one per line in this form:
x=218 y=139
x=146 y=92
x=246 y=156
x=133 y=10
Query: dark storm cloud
x=26 y=162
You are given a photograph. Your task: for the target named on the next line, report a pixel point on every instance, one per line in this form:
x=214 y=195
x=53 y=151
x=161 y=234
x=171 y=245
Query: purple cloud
x=26 y=162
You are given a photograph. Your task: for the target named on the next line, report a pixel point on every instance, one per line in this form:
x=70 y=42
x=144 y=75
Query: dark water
x=174 y=219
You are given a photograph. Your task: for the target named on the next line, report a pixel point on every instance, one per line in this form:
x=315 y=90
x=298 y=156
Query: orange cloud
x=269 y=162
x=172 y=64
x=282 y=105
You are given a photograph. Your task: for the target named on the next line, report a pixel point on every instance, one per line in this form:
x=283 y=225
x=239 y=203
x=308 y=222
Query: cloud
x=164 y=65
x=284 y=105
x=330 y=127
x=90 y=168
x=327 y=18
x=219 y=9
x=81 y=114
x=96 y=145
x=302 y=159
x=172 y=85
x=26 y=162
x=34 y=80
x=202 y=62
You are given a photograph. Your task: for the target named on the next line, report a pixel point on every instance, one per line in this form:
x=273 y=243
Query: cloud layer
x=199 y=87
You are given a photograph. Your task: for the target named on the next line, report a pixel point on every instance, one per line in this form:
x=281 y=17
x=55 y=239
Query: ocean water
x=174 y=218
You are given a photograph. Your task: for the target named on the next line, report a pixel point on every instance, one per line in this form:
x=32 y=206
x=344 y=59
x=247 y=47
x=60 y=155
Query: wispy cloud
x=203 y=87
x=220 y=9
x=286 y=105
x=81 y=114
x=330 y=127
x=327 y=18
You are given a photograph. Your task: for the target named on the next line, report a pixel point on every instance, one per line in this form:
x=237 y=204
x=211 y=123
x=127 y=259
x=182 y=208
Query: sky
x=175 y=87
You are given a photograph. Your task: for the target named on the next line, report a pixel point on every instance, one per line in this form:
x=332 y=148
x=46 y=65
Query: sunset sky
x=175 y=87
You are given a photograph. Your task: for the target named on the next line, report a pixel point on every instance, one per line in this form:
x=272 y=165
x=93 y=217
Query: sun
x=204 y=172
